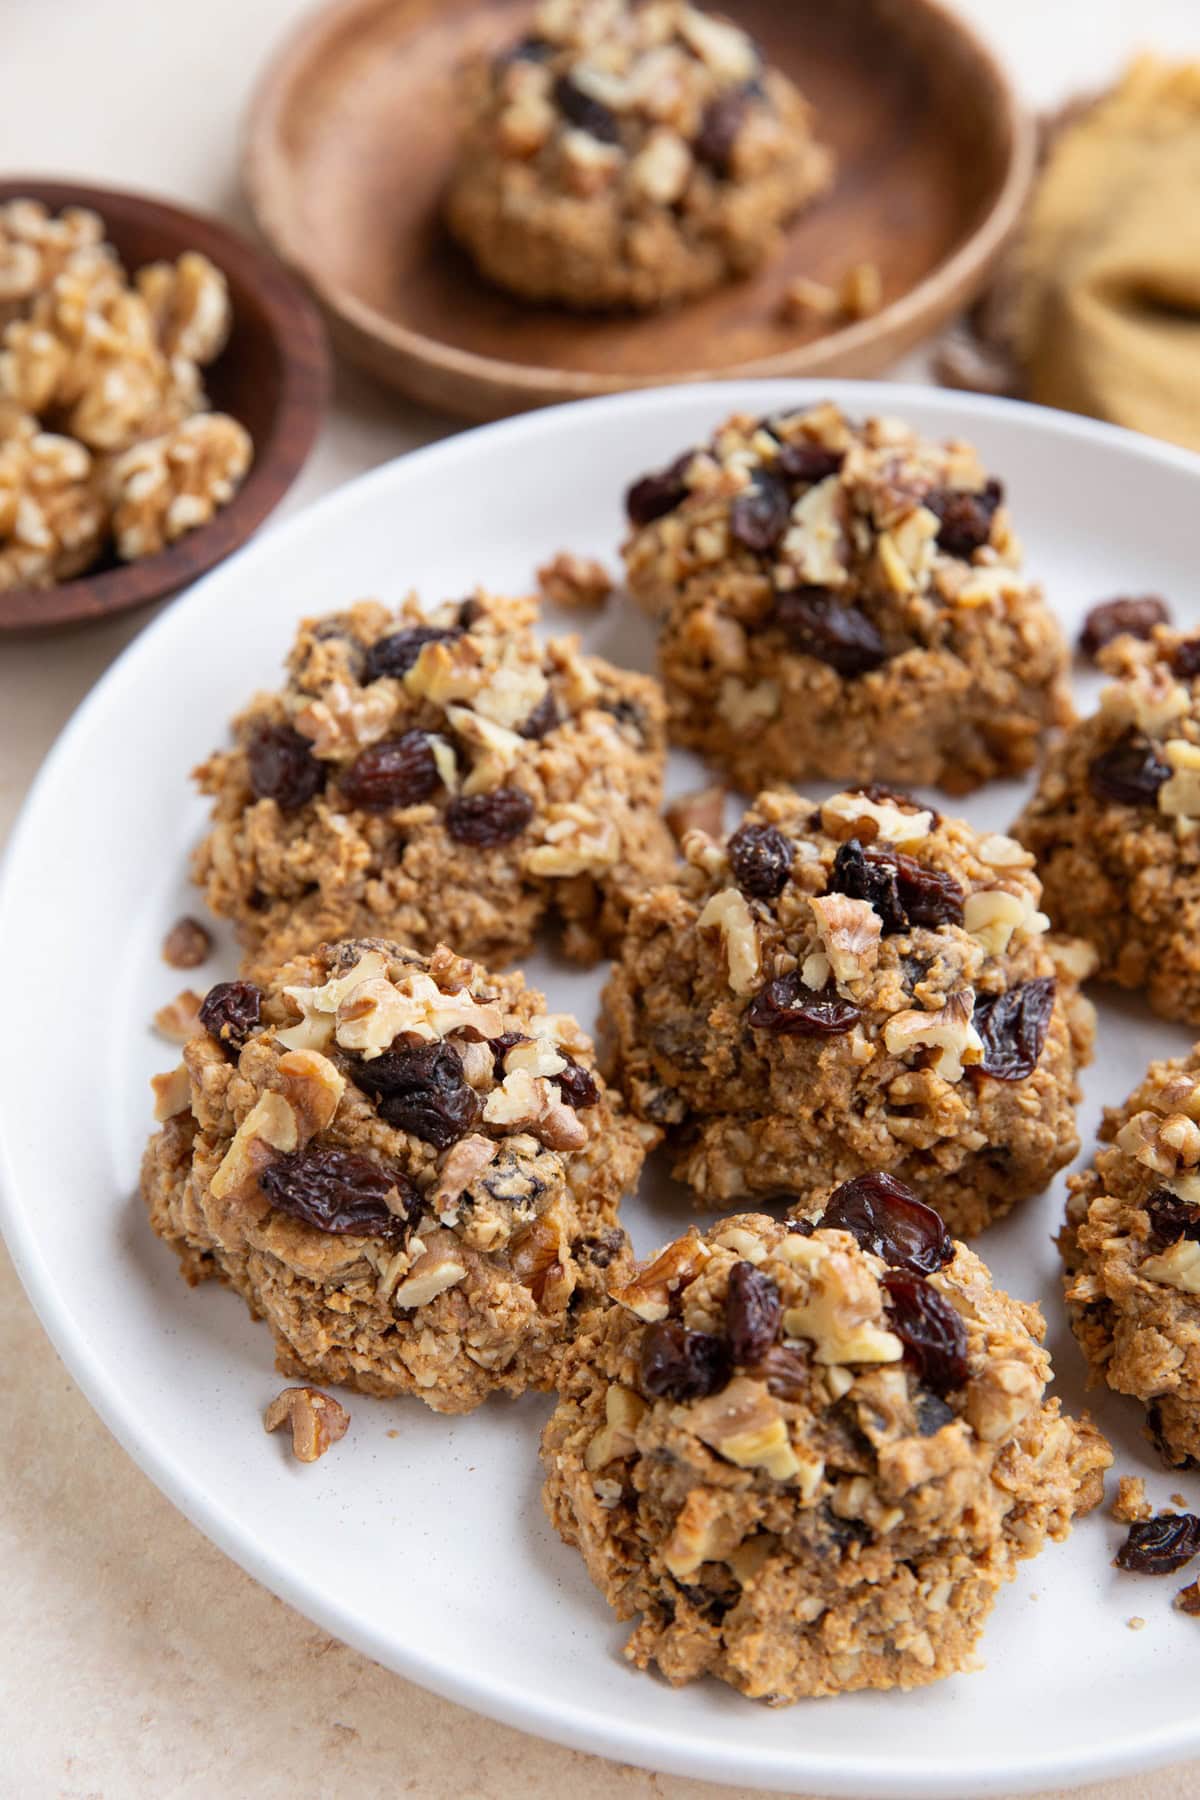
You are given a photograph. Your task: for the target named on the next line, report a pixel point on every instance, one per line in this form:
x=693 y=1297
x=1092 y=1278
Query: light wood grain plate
x=351 y=136
x=273 y=375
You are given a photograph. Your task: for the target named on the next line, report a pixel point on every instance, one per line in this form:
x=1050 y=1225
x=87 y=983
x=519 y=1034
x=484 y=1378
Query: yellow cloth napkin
x=1108 y=289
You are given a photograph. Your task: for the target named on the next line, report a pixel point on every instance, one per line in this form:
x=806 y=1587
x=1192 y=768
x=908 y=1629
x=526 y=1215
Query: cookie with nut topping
x=1115 y=822
x=1131 y=1246
x=625 y=155
x=405 y=1165
x=809 y=1456
x=860 y=984
x=443 y=777
x=845 y=601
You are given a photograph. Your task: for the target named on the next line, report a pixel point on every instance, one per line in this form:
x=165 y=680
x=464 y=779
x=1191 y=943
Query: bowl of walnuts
x=162 y=382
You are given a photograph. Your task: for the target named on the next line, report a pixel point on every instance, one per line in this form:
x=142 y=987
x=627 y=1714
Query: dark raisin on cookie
x=816 y=623
x=1131 y=772
x=788 y=1008
x=753 y=1313
x=759 y=516
x=965 y=518
x=576 y=1084
x=542 y=720
x=888 y=1220
x=1185 y=659
x=933 y=1334
x=1013 y=1027
x=283 y=768
x=231 y=1012
x=395 y=655
x=720 y=126
x=678 y=1364
x=660 y=493
x=902 y=890
x=343 y=1192
x=1137 y=616
x=592 y=116
x=804 y=461
x=761 y=859
x=420 y=1088
x=1172 y=1218
x=486 y=820
x=399 y=772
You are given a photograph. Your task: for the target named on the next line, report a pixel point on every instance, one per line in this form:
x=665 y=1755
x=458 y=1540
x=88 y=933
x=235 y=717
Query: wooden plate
x=351 y=135
x=273 y=375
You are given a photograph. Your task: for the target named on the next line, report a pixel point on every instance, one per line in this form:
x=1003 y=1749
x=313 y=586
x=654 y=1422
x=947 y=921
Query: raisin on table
x=1160 y=1545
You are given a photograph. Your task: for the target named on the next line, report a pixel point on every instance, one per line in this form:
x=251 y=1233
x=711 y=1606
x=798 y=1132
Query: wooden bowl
x=352 y=133
x=273 y=375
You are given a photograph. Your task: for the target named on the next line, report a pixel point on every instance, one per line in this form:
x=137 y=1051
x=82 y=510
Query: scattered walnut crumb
x=1187 y=1600
x=316 y=1419
x=574 y=581
x=1131 y=1503
x=187 y=944
x=804 y=299
x=1178 y=1500
x=1136 y=1623
x=701 y=810
x=179 y=1019
x=861 y=293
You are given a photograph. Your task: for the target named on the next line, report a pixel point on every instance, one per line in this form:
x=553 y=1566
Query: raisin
x=1160 y=1545
x=1185 y=659
x=890 y=1222
x=761 y=859
x=489 y=819
x=875 y=790
x=1013 y=1027
x=400 y=772
x=395 y=655
x=932 y=1414
x=966 y=519
x=785 y=1370
x=753 y=1311
x=801 y=461
x=817 y=624
x=720 y=124
x=873 y=879
x=577 y=1085
x=933 y=1335
x=600 y=1251
x=527 y=49
x=1172 y=1218
x=341 y=1192
x=658 y=494
x=629 y=716
x=759 y=516
x=283 y=767
x=542 y=720
x=421 y=1088
x=230 y=1012
x=1130 y=773
x=678 y=1364
x=786 y=1006
x=1108 y=620
x=845 y=1532
x=508 y=1040
x=592 y=116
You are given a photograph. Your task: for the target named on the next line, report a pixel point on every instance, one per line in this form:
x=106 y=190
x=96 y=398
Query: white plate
x=422 y=1540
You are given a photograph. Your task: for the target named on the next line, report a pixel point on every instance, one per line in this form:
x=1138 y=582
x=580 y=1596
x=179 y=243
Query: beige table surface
x=135 y=1660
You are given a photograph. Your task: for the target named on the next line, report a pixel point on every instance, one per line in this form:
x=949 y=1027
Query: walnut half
x=316 y=1419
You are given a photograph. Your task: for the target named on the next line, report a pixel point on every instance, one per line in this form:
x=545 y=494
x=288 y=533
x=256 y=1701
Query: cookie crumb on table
x=316 y=1419
x=187 y=944
x=178 y=1020
x=1131 y=1502
x=574 y=582
x=1187 y=1600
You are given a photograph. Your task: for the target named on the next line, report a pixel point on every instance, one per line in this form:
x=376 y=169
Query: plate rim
x=659 y=1747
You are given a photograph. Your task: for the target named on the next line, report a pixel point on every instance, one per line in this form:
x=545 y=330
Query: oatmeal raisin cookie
x=857 y=985
x=810 y=1458
x=625 y=155
x=844 y=601
x=404 y=1164
x=437 y=777
x=1131 y=1245
x=1115 y=823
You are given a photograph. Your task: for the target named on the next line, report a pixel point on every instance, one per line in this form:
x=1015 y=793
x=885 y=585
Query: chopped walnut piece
x=731 y=916
x=35 y=247
x=167 y=486
x=994 y=915
x=1177 y=1267
x=850 y=932
x=316 y=1419
x=189 y=304
x=949 y=1032
x=842 y=1315
x=172 y=1094
x=860 y=294
x=187 y=944
x=1131 y=1503
x=744 y=1424
x=313 y=1087
x=270 y=1126
x=622 y=1410
x=440 y=1267
x=805 y=299
x=179 y=1019
x=52 y=519
x=856 y=815
x=576 y=841
x=650 y=1292
x=701 y=810
x=574 y=581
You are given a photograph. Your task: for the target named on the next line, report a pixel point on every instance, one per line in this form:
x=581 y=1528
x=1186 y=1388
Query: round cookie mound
x=858 y=985
x=1131 y=1246
x=444 y=777
x=810 y=1457
x=1115 y=823
x=627 y=155
x=844 y=601
x=405 y=1165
